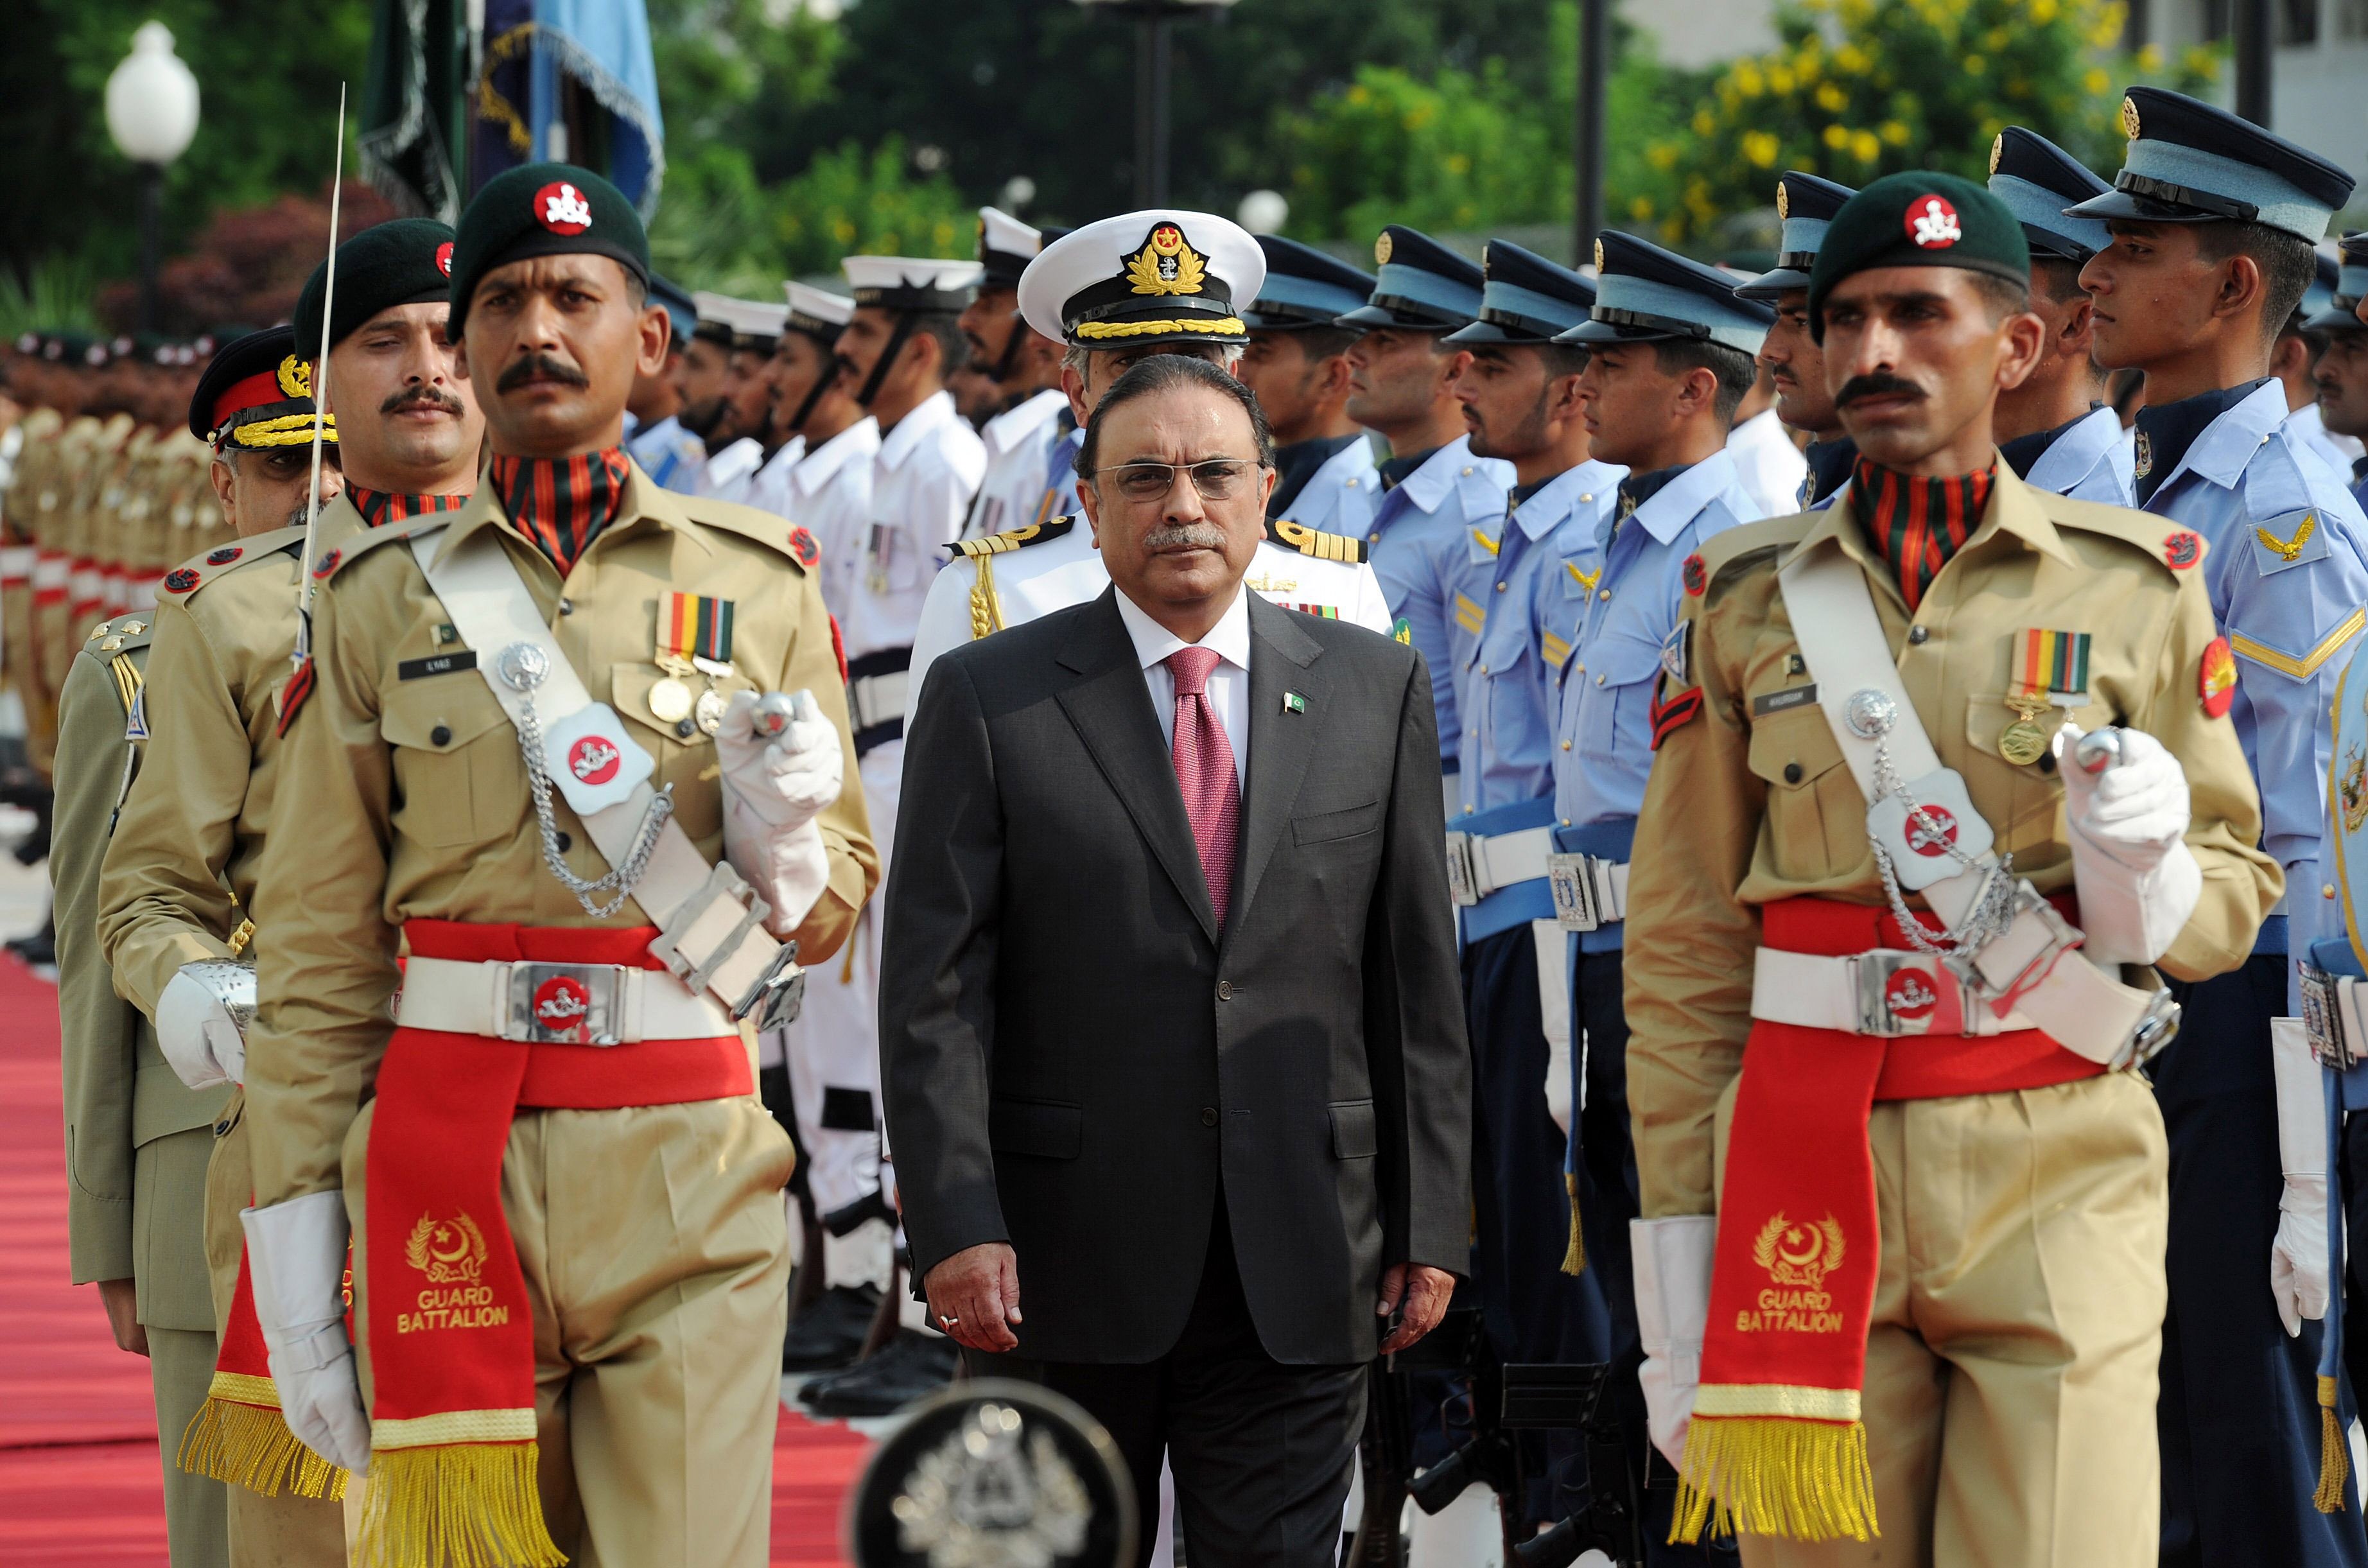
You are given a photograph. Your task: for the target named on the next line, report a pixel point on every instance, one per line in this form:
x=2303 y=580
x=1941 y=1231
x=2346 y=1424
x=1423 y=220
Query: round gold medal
x=669 y=700
x=709 y=713
x=2024 y=743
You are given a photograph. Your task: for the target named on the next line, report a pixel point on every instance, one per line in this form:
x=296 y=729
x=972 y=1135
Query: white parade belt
x=1590 y=892
x=1889 y=993
x=554 y=1003
x=877 y=700
x=1479 y=865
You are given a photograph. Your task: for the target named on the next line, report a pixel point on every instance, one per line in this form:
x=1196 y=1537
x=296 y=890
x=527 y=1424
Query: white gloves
x=1672 y=1261
x=2298 y=1257
x=1554 y=1006
x=201 y=1022
x=296 y=1254
x=773 y=788
x=2137 y=879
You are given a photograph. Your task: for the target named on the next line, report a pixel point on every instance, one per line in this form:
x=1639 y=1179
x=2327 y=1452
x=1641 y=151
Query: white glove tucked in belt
x=2299 y=1258
x=773 y=789
x=201 y=1022
x=296 y=1256
x=1672 y=1262
x=2137 y=880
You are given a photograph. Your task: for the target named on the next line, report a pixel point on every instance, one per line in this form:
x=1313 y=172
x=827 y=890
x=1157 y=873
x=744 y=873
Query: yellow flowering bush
x=1858 y=88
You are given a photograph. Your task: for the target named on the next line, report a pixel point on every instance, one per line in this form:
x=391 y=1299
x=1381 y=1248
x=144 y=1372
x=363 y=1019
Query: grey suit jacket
x=1076 y=1061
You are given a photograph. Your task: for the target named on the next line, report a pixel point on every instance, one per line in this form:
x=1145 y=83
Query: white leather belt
x=1588 y=891
x=556 y=1004
x=17 y=563
x=876 y=699
x=1478 y=866
x=1888 y=992
x=51 y=570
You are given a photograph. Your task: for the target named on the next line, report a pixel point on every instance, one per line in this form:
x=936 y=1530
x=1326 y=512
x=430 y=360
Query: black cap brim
x=2141 y=210
x=1587 y=332
x=1487 y=334
x=2337 y=317
x=2048 y=242
x=1774 y=285
x=1370 y=316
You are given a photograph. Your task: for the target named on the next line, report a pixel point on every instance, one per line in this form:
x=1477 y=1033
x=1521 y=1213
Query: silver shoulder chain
x=623 y=878
x=1991 y=913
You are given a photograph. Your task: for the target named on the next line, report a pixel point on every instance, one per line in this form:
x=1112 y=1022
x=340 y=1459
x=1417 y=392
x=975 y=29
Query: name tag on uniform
x=436 y=665
x=1792 y=696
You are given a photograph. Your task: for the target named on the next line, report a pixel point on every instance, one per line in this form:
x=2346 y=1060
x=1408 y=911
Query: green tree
x=1859 y=88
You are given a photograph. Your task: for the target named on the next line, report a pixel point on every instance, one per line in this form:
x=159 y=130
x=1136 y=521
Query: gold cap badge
x=1382 y=249
x=295 y=377
x=1783 y=201
x=1998 y=152
x=1165 y=265
x=2130 y=119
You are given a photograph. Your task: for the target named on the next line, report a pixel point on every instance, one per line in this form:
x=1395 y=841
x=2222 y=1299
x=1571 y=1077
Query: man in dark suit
x=1169 y=1015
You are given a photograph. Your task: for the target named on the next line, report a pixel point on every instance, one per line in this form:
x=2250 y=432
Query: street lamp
x=1154 y=21
x=151 y=113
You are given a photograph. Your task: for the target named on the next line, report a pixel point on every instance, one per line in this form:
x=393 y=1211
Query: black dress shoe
x=829 y=1334
x=913 y=1366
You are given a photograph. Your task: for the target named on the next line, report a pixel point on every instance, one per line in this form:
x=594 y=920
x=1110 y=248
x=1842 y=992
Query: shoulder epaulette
x=1315 y=541
x=1012 y=539
x=1733 y=547
x=120 y=635
x=754 y=523
x=2178 y=551
x=338 y=557
x=223 y=560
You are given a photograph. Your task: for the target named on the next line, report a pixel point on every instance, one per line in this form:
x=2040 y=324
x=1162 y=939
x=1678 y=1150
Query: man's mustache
x=1186 y=536
x=542 y=365
x=422 y=396
x=1876 y=384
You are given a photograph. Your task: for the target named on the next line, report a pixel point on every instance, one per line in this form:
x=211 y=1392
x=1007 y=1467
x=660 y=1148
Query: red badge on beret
x=1696 y=576
x=444 y=258
x=180 y=580
x=561 y=208
x=224 y=556
x=2182 y=549
x=2217 y=681
x=327 y=564
x=805 y=546
x=1932 y=222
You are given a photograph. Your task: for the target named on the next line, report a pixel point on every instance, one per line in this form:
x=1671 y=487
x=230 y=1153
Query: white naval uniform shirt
x=1339 y=497
x=728 y=472
x=830 y=492
x=1038 y=579
x=1228 y=691
x=1767 y=465
x=926 y=470
x=1017 y=441
x=770 y=490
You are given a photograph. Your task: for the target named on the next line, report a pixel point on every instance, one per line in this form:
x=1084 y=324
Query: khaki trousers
x=286 y=1531
x=656 y=1249
x=196 y=1521
x=2016 y=1337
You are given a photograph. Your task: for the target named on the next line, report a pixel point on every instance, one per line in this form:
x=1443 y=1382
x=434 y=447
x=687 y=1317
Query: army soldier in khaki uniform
x=1901 y=1268
x=192 y=843
x=564 y=1200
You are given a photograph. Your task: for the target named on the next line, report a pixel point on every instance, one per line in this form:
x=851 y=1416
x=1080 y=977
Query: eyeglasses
x=1217 y=478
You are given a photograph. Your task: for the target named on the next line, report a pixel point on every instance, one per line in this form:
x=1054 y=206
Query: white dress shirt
x=1228 y=691
x=923 y=476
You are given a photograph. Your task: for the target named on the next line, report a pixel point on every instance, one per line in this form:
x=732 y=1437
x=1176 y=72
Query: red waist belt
x=1919 y=1067
x=582 y=1077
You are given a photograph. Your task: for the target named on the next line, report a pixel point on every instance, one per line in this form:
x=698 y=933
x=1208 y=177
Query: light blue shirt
x=1504 y=692
x=2091 y=461
x=1420 y=535
x=2288 y=579
x=669 y=454
x=1617 y=603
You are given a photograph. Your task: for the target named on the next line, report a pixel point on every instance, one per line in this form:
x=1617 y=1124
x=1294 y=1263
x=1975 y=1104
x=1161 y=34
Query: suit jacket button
x=1208 y=1116
x=1224 y=990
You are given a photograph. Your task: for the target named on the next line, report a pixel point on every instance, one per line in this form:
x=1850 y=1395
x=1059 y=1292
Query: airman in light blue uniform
x=2280 y=541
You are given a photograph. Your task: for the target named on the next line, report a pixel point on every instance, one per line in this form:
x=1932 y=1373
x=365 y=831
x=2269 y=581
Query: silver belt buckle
x=1572 y=878
x=2157 y=1028
x=564 y=1004
x=1463 y=879
x=1899 y=992
x=2324 y=1020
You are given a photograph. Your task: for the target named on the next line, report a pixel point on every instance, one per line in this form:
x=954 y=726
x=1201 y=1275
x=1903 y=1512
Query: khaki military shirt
x=405 y=776
x=181 y=876
x=120 y=1093
x=1750 y=800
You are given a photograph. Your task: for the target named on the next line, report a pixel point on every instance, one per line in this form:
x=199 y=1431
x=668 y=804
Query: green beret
x=1918 y=219
x=544 y=210
x=406 y=262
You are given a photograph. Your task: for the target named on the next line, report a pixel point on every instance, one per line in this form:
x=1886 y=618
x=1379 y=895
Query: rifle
x=1612 y=1521
x=1386 y=1456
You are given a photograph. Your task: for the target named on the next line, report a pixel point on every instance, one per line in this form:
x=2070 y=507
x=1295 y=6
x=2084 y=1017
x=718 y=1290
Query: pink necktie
x=1205 y=772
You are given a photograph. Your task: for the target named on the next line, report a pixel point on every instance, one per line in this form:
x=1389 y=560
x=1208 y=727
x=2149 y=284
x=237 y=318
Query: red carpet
x=79 y=1483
